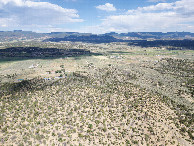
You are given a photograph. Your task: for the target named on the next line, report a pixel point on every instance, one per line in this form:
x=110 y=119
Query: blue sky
x=97 y=16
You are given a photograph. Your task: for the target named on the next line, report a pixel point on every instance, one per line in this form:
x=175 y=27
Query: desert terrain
x=117 y=94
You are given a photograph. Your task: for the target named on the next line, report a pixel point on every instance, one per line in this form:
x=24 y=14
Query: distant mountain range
x=154 y=35
x=88 y=37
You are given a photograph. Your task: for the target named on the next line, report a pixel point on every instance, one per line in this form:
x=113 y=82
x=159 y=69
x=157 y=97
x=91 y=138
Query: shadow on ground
x=170 y=44
x=25 y=53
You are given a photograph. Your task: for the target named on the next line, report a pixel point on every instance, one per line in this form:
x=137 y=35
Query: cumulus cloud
x=29 y=13
x=141 y=22
x=185 y=8
x=106 y=7
x=176 y=16
x=158 y=7
x=182 y=6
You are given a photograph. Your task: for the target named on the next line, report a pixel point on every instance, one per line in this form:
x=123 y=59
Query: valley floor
x=114 y=99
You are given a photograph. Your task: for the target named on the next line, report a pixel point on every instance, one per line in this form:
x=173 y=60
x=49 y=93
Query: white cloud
x=106 y=7
x=176 y=16
x=28 y=13
x=160 y=6
x=185 y=8
x=141 y=22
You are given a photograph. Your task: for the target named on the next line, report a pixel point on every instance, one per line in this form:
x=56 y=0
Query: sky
x=97 y=16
